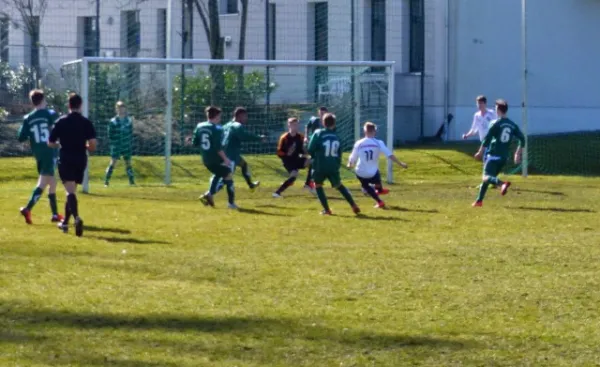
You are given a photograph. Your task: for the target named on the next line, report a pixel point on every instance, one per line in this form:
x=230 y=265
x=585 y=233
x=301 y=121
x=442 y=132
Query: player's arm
x=306 y=131
x=353 y=156
x=282 y=150
x=313 y=144
x=246 y=135
x=218 y=143
x=473 y=130
x=390 y=155
x=23 y=133
x=90 y=136
x=55 y=135
x=519 y=151
x=486 y=141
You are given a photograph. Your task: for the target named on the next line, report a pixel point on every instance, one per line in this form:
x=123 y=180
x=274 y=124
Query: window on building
x=378 y=30
x=131 y=33
x=161 y=35
x=188 y=30
x=4 y=26
x=229 y=6
x=89 y=34
x=417 y=36
x=271 y=54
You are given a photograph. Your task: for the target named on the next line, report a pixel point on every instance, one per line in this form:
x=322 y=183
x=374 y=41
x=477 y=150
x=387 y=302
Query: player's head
x=322 y=111
x=370 y=129
x=481 y=102
x=329 y=121
x=240 y=114
x=37 y=99
x=292 y=125
x=75 y=102
x=501 y=107
x=121 y=108
x=213 y=114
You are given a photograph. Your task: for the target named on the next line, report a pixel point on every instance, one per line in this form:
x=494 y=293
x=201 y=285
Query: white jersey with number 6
x=365 y=155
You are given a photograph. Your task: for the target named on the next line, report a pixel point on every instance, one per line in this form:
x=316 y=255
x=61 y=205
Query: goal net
x=166 y=99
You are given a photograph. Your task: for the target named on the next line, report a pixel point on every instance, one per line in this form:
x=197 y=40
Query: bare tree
x=31 y=13
x=208 y=10
x=242 y=45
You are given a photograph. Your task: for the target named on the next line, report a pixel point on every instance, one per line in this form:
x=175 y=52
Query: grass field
x=160 y=280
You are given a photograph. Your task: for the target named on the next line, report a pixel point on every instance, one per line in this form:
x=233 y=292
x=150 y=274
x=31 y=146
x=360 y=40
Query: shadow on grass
x=553 y=209
x=107 y=230
x=401 y=209
x=135 y=241
x=553 y=193
x=261 y=212
x=388 y=219
x=269 y=330
x=15 y=337
x=452 y=165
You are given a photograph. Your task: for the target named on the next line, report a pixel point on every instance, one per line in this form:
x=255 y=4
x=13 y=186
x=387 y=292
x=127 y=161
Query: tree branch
x=202 y=12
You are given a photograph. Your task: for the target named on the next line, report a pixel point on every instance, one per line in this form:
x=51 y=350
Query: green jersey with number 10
x=36 y=128
x=325 y=150
x=209 y=137
x=500 y=136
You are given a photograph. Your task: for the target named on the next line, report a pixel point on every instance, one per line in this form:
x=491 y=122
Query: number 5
x=205 y=142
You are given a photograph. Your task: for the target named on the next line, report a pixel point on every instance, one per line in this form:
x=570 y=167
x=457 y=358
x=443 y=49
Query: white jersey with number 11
x=365 y=155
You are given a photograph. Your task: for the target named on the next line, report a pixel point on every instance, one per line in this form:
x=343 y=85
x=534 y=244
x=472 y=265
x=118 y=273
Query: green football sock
x=482 y=191
x=35 y=196
x=247 y=175
x=109 y=172
x=230 y=191
x=322 y=198
x=495 y=181
x=346 y=194
x=129 y=171
x=53 y=206
x=214 y=183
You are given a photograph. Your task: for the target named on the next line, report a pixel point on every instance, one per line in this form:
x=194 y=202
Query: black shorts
x=294 y=164
x=72 y=168
x=375 y=180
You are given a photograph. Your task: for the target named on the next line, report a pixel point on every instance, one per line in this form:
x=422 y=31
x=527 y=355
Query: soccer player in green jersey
x=120 y=137
x=324 y=148
x=497 y=142
x=36 y=128
x=234 y=134
x=209 y=137
x=311 y=127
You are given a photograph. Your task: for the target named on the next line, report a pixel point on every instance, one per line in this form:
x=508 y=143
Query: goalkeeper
x=120 y=137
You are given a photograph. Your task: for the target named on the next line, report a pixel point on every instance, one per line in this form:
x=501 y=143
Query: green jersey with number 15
x=36 y=128
x=209 y=137
x=500 y=136
x=324 y=148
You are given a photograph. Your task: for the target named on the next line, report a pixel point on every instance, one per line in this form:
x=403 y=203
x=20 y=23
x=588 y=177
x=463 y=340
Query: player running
x=365 y=158
x=324 y=148
x=36 y=128
x=75 y=135
x=234 y=133
x=120 y=137
x=482 y=119
x=497 y=141
x=291 y=151
x=209 y=137
x=312 y=125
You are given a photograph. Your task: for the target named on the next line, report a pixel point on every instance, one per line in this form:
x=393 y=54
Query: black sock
x=72 y=202
x=308 y=176
x=247 y=176
x=230 y=191
x=67 y=213
x=287 y=183
x=371 y=191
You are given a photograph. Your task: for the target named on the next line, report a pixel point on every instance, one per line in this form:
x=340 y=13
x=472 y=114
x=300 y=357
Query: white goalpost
x=356 y=91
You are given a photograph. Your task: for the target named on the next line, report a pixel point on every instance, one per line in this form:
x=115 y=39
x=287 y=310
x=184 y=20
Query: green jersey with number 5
x=325 y=149
x=500 y=136
x=36 y=128
x=209 y=137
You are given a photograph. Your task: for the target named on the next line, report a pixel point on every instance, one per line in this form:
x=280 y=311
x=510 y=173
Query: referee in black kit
x=75 y=135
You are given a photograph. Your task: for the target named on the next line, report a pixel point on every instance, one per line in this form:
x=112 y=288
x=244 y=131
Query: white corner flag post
x=524 y=105
x=85 y=109
x=169 y=95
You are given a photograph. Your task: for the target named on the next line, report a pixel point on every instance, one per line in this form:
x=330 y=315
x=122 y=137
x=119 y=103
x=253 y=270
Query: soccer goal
x=166 y=100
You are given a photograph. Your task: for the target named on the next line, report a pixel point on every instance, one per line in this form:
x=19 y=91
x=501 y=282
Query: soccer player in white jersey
x=365 y=160
x=481 y=120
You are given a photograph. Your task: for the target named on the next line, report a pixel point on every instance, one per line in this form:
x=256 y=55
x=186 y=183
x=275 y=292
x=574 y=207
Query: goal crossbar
x=169 y=62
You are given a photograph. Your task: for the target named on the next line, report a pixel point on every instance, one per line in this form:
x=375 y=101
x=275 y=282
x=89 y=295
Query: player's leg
x=36 y=194
x=309 y=184
x=114 y=158
x=245 y=169
x=226 y=175
x=56 y=217
x=336 y=182
x=129 y=168
x=71 y=173
x=319 y=179
x=490 y=170
x=378 y=184
x=293 y=176
x=366 y=183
